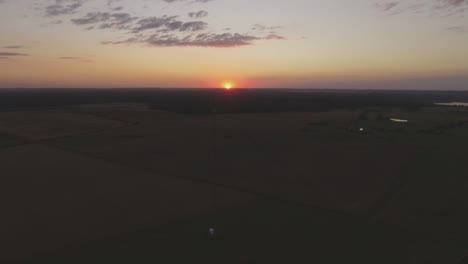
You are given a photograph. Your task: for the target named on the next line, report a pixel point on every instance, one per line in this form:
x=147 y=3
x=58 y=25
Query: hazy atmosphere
x=233 y=131
x=360 y=44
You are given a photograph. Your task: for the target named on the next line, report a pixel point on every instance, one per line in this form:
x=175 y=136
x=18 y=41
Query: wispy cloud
x=69 y=58
x=388 y=6
x=167 y=24
x=260 y=27
x=63 y=7
x=198 y=14
x=12 y=54
x=106 y=20
x=274 y=37
x=443 y=7
x=224 y=40
x=13 y=47
x=75 y=59
x=8 y=55
x=193 y=1
x=458 y=29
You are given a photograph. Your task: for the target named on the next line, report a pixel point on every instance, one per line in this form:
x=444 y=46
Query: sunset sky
x=340 y=44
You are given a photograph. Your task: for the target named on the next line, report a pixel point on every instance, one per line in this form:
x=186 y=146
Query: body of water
x=453 y=104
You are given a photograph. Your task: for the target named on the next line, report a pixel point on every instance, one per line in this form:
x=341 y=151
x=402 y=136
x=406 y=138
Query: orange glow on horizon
x=228 y=85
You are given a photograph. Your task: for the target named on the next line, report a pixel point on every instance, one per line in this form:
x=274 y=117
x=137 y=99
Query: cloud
x=198 y=14
x=442 y=7
x=224 y=40
x=106 y=20
x=12 y=54
x=274 y=37
x=77 y=59
x=13 y=47
x=63 y=7
x=136 y=25
x=260 y=27
x=453 y=3
x=170 y=31
x=457 y=29
x=193 y=1
x=8 y=55
x=387 y=6
x=269 y=30
x=168 y=23
x=92 y=18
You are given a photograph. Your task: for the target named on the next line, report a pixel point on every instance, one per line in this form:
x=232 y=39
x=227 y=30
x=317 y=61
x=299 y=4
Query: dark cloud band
x=12 y=54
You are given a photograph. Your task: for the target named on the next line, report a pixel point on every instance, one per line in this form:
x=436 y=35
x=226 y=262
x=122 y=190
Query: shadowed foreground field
x=137 y=182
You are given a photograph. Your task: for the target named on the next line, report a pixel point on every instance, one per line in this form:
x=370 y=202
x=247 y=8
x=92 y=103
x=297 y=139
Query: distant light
x=399 y=120
x=361 y=129
x=211 y=231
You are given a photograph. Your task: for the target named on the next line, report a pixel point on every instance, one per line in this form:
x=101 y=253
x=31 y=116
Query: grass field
x=128 y=183
x=7 y=140
x=49 y=124
x=60 y=199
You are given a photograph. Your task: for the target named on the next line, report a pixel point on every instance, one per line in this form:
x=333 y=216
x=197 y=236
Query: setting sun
x=228 y=85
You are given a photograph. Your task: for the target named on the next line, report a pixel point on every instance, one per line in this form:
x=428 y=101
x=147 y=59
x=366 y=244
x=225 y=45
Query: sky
x=317 y=44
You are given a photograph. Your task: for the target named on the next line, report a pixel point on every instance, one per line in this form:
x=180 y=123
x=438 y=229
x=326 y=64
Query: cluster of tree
x=203 y=101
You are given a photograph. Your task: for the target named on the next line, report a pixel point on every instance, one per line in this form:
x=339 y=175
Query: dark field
x=284 y=176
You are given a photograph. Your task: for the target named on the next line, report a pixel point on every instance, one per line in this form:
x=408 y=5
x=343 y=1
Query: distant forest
x=204 y=101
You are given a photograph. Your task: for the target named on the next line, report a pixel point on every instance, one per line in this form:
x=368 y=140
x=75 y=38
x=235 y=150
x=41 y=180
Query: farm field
x=114 y=182
x=49 y=124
